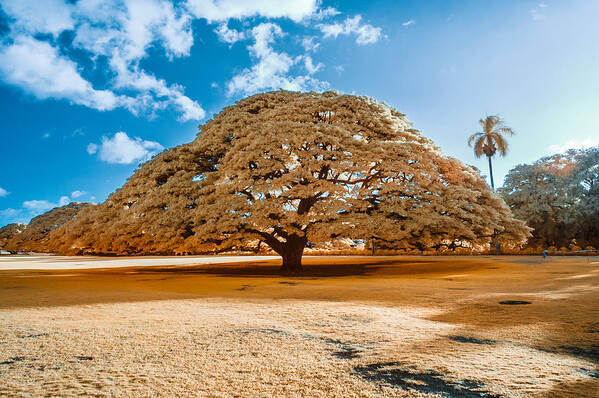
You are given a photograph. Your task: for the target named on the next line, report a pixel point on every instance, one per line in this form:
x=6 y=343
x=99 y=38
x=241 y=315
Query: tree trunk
x=292 y=253
x=491 y=174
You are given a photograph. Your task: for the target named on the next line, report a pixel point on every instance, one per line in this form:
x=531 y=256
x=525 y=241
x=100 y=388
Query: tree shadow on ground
x=430 y=382
x=471 y=340
x=589 y=352
x=259 y=269
x=311 y=268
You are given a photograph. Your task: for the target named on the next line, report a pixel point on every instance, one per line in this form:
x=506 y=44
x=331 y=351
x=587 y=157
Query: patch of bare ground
x=423 y=327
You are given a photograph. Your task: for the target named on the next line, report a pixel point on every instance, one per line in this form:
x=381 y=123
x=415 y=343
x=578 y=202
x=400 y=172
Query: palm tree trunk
x=491 y=174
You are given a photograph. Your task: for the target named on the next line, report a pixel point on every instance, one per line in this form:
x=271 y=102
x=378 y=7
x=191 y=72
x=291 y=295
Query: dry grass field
x=363 y=327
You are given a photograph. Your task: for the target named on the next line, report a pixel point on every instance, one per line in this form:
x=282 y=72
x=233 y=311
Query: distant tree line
x=557 y=196
x=283 y=172
x=35 y=236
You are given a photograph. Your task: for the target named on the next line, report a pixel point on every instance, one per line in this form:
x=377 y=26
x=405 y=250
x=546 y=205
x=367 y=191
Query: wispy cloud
x=310 y=44
x=581 y=143
x=408 y=23
x=538 y=13
x=310 y=67
x=3 y=192
x=365 y=33
x=38 y=205
x=77 y=194
x=35 y=207
x=10 y=213
x=228 y=35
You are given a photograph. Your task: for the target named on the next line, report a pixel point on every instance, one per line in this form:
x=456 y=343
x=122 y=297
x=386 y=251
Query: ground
x=361 y=326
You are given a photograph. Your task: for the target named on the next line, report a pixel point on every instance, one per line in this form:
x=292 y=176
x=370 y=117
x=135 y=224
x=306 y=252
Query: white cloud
x=310 y=44
x=129 y=27
x=582 y=143
x=310 y=67
x=3 y=192
x=408 y=23
x=78 y=132
x=227 y=35
x=271 y=71
x=40 y=16
x=121 y=149
x=92 y=148
x=123 y=33
x=120 y=30
x=36 y=67
x=189 y=109
x=340 y=69
x=77 y=194
x=325 y=13
x=38 y=205
x=222 y=10
x=64 y=200
x=365 y=33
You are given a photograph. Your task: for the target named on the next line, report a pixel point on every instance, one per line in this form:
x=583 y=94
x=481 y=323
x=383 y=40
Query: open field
x=46 y=262
x=362 y=326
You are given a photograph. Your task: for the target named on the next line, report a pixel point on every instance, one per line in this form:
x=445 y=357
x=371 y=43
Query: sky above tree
x=90 y=88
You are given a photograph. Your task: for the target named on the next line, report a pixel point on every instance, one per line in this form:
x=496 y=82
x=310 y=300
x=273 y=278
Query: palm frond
x=505 y=130
x=500 y=142
x=473 y=137
x=493 y=122
x=479 y=146
x=497 y=120
x=491 y=139
x=489 y=123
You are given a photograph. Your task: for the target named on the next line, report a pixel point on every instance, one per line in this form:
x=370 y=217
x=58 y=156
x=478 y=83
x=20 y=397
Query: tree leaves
x=559 y=197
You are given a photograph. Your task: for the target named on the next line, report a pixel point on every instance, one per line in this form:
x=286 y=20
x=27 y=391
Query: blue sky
x=90 y=88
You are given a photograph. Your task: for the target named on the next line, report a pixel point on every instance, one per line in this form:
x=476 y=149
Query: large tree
x=558 y=196
x=490 y=140
x=290 y=169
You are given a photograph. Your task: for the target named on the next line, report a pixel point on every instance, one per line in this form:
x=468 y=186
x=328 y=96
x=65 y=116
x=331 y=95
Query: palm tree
x=490 y=140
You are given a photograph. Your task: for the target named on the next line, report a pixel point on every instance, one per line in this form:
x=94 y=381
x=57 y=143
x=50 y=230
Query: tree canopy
x=288 y=170
x=558 y=196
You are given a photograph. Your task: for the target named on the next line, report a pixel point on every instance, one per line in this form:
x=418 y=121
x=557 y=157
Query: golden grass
x=404 y=326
